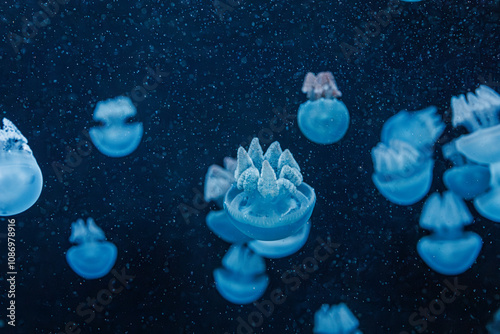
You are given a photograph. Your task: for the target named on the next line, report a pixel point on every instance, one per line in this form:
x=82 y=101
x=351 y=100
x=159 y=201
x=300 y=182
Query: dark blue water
x=223 y=75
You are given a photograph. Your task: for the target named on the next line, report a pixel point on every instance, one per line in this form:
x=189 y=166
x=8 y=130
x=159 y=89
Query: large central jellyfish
x=403 y=161
x=116 y=138
x=323 y=119
x=93 y=257
x=21 y=179
x=271 y=204
x=449 y=251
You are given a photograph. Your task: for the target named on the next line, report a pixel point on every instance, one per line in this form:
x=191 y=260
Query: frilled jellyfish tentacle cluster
x=476 y=174
x=449 y=250
x=21 y=179
x=337 y=319
x=323 y=119
x=403 y=161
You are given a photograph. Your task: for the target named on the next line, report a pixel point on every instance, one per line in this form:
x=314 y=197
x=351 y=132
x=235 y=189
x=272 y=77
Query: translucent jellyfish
x=488 y=204
x=93 y=257
x=449 y=250
x=337 y=319
x=271 y=204
x=479 y=113
x=323 y=119
x=494 y=326
x=218 y=181
x=116 y=138
x=21 y=179
x=242 y=279
x=403 y=160
x=467 y=181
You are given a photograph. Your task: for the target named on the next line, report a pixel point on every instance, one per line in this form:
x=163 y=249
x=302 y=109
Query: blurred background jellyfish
x=323 y=119
x=337 y=319
x=449 y=250
x=494 y=326
x=93 y=257
x=242 y=279
x=217 y=182
x=116 y=138
x=274 y=203
x=21 y=179
x=403 y=160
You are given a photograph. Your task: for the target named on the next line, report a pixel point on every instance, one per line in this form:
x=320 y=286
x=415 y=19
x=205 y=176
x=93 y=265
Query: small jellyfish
x=116 y=138
x=242 y=279
x=274 y=203
x=323 y=119
x=337 y=319
x=93 y=257
x=449 y=250
x=480 y=115
x=218 y=181
x=21 y=179
x=403 y=160
x=494 y=326
x=488 y=204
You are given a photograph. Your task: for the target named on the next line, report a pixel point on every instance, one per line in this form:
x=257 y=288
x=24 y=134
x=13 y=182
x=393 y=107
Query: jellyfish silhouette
x=494 y=326
x=337 y=319
x=323 y=119
x=242 y=279
x=273 y=204
x=116 y=138
x=21 y=179
x=403 y=161
x=93 y=257
x=449 y=250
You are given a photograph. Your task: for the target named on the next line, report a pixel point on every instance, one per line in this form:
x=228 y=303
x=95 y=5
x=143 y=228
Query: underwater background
x=224 y=77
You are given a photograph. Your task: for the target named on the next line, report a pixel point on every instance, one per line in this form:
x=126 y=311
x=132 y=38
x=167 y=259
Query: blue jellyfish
x=337 y=319
x=323 y=119
x=494 y=326
x=21 y=179
x=467 y=181
x=271 y=204
x=488 y=204
x=93 y=257
x=116 y=138
x=449 y=250
x=480 y=115
x=403 y=161
x=242 y=279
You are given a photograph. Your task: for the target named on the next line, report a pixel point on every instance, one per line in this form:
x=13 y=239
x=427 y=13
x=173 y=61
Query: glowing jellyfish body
x=449 y=250
x=274 y=203
x=242 y=279
x=467 y=181
x=116 y=138
x=337 y=319
x=323 y=119
x=403 y=160
x=488 y=204
x=21 y=179
x=93 y=257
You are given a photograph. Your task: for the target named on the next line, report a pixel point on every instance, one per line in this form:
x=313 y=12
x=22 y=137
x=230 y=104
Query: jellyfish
x=323 y=119
x=21 y=179
x=116 y=138
x=480 y=115
x=274 y=203
x=242 y=278
x=449 y=250
x=488 y=204
x=337 y=319
x=93 y=257
x=467 y=181
x=494 y=326
x=403 y=160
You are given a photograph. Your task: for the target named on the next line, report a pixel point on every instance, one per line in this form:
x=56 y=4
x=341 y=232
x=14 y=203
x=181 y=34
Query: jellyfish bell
x=488 y=204
x=220 y=224
x=93 y=257
x=116 y=138
x=467 y=181
x=281 y=248
x=274 y=203
x=21 y=179
x=479 y=113
x=323 y=119
x=403 y=174
x=242 y=279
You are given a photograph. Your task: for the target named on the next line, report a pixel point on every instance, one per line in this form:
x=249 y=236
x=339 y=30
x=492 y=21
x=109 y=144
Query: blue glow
x=93 y=257
x=337 y=319
x=262 y=205
x=467 y=181
x=116 y=138
x=21 y=179
x=242 y=279
x=220 y=224
x=488 y=204
x=449 y=250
